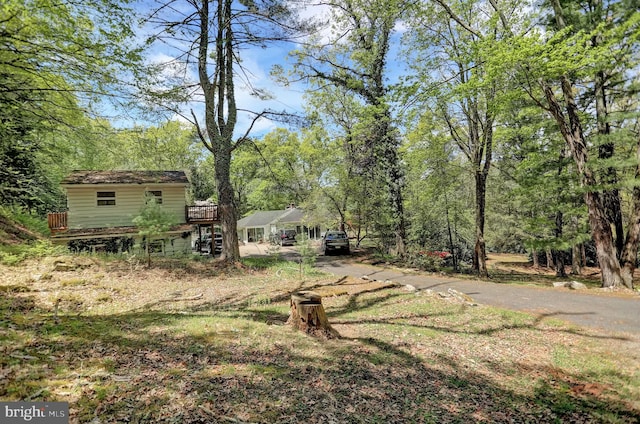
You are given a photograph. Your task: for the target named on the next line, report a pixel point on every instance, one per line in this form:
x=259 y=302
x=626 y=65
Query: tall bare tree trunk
x=559 y=255
x=550 y=262
x=227 y=210
x=609 y=176
x=576 y=250
x=630 y=250
x=452 y=247
x=576 y=267
x=481 y=142
x=220 y=114
x=389 y=160
x=480 y=250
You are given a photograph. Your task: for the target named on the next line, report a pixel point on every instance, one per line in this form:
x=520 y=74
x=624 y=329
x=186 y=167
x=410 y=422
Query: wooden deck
x=58 y=222
x=201 y=214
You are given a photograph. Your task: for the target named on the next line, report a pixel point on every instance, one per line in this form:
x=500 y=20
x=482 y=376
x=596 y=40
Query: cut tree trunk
x=307 y=314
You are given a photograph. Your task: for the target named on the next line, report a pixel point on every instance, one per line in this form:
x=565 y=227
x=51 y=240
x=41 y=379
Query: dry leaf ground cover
x=196 y=342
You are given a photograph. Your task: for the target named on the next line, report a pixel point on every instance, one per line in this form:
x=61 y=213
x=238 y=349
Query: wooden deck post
x=308 y=315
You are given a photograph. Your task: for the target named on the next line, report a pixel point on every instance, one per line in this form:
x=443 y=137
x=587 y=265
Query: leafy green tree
x=285 y=167
x=552 y=67
x=547 y=190
x=346 y=194
x=447 y=40
x=439 y=191
x=203 y=185
x=284 y=171
x=64 y=55
x=586 y=46
x=152 y=222
x=171 y=145
x=23 y=180
x=57 y=61
x=597 y=18
x=207 y=38
x=354 y=61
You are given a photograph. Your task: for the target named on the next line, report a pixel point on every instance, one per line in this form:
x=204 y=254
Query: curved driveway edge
x=601 y=312
x=584 y=308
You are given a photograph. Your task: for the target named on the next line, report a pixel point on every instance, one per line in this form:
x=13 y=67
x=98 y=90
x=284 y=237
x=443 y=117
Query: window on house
x=155 y=193
x=106 y=198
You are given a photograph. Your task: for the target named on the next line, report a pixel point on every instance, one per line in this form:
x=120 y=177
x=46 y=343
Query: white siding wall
x=84 y=212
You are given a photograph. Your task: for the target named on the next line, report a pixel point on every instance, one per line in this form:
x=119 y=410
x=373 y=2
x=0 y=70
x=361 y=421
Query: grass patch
x=74 y=282
x=15 y=254
x=199 y=341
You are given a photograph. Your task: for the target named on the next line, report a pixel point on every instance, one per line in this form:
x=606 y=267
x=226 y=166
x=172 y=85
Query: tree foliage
x=152 y=222
x=207 y=38
x=353 y=65
x=514 y=126
x=59 y=61
x=575 y=72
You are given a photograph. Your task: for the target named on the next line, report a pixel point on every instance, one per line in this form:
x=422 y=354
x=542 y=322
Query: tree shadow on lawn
x=521 y=273
x=278 y=296
x=155 y=366
x=402 y=320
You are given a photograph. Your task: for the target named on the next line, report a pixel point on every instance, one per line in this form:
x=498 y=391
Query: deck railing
x=57 y=221
x=194 y=214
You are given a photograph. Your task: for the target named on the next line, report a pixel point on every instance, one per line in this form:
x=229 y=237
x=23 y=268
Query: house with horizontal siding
x=101 y=206
x=260 y=226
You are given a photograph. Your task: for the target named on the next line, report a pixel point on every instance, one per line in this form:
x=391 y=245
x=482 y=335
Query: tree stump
x=307 y=314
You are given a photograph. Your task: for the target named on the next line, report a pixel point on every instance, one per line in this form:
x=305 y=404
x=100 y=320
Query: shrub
x=307 y=251
x=15 y=254
x=428 y=260
x=34 y=224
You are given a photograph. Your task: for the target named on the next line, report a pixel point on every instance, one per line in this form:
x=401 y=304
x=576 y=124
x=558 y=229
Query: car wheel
x=326 y=252
x=347 y=251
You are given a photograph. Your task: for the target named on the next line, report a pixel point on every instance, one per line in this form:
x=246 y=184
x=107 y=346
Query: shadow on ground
x=226 y=361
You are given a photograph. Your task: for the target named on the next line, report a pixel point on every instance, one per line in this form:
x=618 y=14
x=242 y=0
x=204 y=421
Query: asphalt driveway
x=585 y=308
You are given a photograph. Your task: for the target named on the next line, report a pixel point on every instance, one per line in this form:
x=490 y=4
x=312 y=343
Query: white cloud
x=253 y=77
x=318 y=12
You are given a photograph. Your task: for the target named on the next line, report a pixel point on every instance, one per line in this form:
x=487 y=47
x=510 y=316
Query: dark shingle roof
x=125 y=177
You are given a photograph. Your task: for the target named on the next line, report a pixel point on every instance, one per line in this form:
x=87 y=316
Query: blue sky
x=258 y=63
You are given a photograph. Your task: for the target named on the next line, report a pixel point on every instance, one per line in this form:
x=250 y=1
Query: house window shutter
x=106 y=198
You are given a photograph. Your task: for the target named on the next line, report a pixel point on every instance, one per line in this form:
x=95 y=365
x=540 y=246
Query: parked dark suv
x=335 y=241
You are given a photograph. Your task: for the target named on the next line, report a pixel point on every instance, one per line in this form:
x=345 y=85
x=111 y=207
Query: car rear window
x=331 y=236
